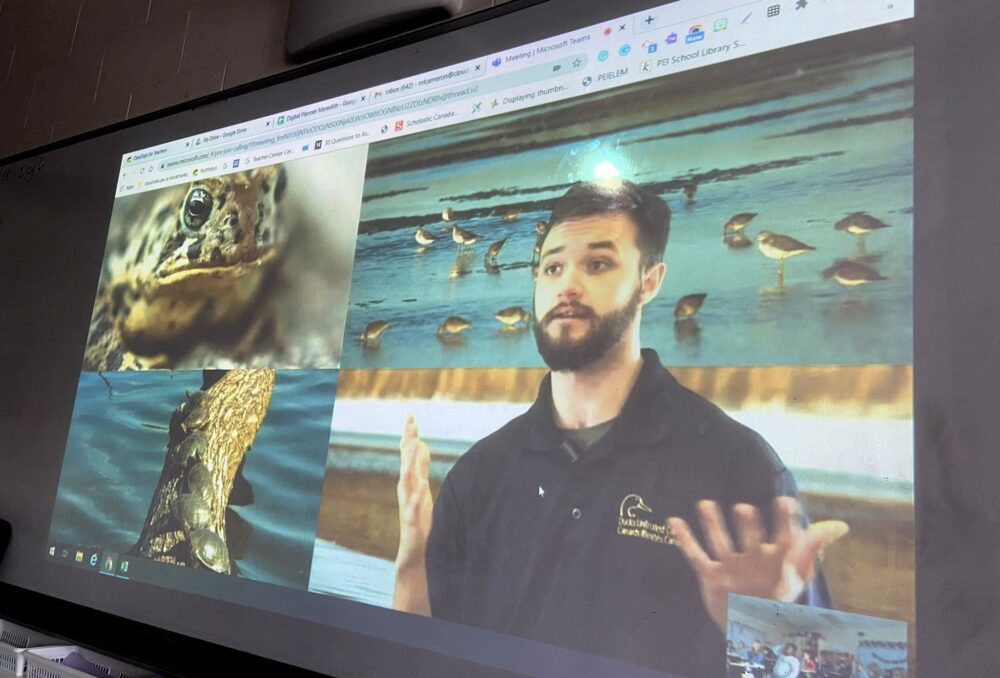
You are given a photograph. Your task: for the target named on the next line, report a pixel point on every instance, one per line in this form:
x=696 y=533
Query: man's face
x=589 y=289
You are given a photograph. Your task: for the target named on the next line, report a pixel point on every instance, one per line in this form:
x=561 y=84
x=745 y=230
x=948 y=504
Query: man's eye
x=599 y=265
x=552 y=269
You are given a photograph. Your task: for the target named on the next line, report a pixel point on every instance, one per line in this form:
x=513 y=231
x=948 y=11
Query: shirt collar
x=642 y=420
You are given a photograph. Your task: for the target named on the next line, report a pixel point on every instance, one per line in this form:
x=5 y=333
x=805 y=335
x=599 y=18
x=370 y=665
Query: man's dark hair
x=646 y=209
x=791 y=645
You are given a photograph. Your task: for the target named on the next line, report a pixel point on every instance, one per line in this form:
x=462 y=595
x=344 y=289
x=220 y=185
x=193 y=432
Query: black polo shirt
x=533 y=538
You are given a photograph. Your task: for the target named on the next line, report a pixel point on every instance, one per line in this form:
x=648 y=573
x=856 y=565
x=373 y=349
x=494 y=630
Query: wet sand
x=359 y=512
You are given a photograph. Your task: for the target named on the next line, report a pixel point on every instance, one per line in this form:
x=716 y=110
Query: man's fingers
x=749 y=529
x=423 y=455
x=410 y=432
x=716 y=532
x=787 y=522
x=688 y=544
x=409 y=455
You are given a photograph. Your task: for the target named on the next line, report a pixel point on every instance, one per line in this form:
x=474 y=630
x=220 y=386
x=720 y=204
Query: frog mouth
x=233 y=269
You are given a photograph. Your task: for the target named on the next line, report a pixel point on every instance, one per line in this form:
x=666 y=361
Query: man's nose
x=569 y=285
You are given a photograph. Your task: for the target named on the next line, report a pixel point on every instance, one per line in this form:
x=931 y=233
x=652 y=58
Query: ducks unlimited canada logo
x=634 y=520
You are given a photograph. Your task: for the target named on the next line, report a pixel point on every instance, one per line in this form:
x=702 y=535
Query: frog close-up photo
x=211 y=274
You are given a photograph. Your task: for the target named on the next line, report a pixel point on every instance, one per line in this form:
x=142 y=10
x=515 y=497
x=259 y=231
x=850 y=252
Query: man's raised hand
x=779 y=569
x=413 y=493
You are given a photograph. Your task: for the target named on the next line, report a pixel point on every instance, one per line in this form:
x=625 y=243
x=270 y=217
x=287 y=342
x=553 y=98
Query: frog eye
x=197 y=208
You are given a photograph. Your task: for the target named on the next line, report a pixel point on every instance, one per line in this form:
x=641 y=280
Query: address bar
x=321 y=127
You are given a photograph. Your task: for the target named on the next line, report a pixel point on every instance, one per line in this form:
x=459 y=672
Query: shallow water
x=864 y=458
x=117 y=445
x=339 y=571
x=838 y=145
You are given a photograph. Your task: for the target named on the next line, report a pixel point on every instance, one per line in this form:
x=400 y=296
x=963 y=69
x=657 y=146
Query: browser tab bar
x=653 y=43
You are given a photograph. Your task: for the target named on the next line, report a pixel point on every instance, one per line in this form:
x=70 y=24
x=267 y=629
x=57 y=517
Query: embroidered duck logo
x=632 y=503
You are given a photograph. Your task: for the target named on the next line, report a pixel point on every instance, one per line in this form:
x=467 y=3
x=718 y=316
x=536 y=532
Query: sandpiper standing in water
x=738 y=222
x=688 y=305
x=860 y=224
x=494 y=251
x=512 y=315
x=373 y=332
x=462 y=236
x=452 y=327
x=689 y=189
x=424 y=237
x=780 y=247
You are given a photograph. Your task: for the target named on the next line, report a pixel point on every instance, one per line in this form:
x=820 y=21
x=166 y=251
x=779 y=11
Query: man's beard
x=566 y=355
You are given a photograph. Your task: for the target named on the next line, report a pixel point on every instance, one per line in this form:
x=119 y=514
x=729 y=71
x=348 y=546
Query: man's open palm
x=416 y=507
x=779 y=569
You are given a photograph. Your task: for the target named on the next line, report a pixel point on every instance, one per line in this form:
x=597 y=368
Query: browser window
x=341 y=352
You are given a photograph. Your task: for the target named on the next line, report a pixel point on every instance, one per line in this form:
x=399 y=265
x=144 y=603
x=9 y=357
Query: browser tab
x=443 y=76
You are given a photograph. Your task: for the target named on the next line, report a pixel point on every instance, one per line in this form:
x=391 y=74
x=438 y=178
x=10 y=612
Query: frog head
x=200 y=260
x=221 y=222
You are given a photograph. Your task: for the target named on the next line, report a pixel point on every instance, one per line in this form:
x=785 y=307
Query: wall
x=71 y=66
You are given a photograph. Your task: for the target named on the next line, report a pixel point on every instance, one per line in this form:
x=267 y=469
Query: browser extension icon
x=695 y=34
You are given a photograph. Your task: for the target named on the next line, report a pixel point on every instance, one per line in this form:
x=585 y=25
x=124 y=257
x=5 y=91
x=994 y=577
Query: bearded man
x=581 y=522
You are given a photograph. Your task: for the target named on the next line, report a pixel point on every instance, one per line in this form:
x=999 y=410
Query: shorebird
x=780 y=247
x=448 y=214
x=452 y=326
x=736 y=241
x=688 y=306
x=541 y=227
x=860 y=224
x=851 y=273
x=510 y=215
x=689 y=190
x=373 y=331
x=462 y=236
x=493 y=251
x=738 y=222
x=424 y=237
x=512 y=315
